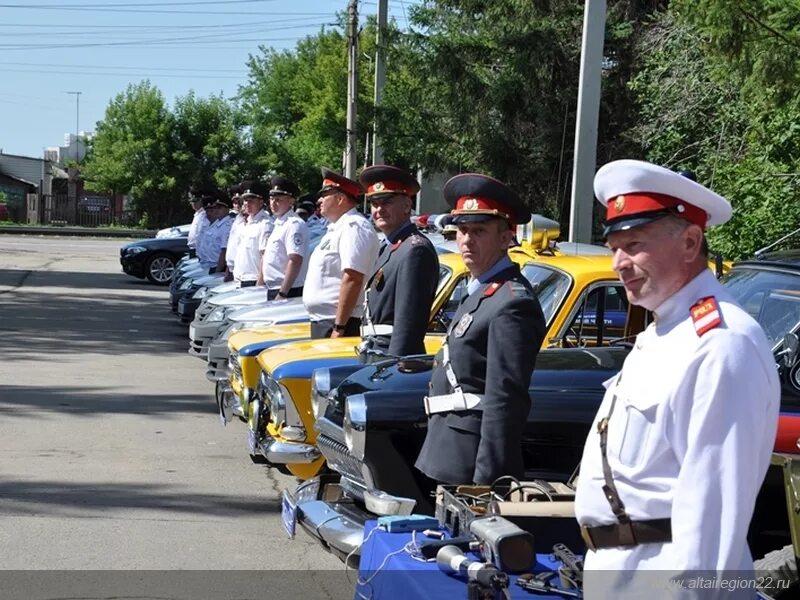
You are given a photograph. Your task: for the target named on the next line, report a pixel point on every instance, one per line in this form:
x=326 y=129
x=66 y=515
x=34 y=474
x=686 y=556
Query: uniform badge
x=297 y=238
x=619 y=204
x=378 y=187
x=463 y=325
x=379 y=277
x=325 y=245
x=705 y=315
x=470 y=204
x=416 y=240
x=492 y=288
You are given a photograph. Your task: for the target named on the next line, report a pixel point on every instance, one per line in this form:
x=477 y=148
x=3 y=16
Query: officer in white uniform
x=337 y=269
x=682 y=440
x=284 y=261
x=214 y=239
x=257 y=226
x=199 y=220
x=237 y=212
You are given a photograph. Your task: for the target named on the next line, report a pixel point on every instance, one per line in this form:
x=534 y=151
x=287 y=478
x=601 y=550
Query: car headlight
x=355 y=425
x=201 y=293
x=216 y=315
x=320 y=388
x=135 y=249
x=186 y=285
x=273 y=396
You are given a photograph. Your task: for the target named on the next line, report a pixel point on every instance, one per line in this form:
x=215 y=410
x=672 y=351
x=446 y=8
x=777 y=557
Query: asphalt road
x=111 y=454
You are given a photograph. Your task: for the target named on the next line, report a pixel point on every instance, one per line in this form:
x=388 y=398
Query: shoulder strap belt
x=655 y=531
x=368 y=330
x=458 y=400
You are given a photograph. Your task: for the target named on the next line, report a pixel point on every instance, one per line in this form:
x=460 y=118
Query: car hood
x=157 y=243
x=250 y=296
x=282 y=311
x=268 y=333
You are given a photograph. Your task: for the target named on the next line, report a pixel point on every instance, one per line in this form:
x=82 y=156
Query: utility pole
x=380 y=78
x=352 y=89
x=77 y=119
x=582 y=200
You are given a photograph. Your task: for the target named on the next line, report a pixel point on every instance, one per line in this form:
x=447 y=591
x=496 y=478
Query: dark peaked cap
x=475 y=198
x=385 y=180
x=252 y=188
x=333 y=181
x=281 y=186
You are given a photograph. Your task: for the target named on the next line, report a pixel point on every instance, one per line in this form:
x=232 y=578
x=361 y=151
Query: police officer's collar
x=400 y=232
x=259 y=216
x=341 y=220
x=288 y=214
x=498 y=267
x=676 y=308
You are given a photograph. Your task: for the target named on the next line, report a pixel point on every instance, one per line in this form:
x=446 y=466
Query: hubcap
x=162 y=269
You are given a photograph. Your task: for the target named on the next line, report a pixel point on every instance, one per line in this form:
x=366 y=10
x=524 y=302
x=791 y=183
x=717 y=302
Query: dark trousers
x=324 y=328
x=295 y=292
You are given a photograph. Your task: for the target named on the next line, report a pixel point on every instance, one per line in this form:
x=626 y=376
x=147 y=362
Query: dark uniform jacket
x=401 y=290
x=493 y=342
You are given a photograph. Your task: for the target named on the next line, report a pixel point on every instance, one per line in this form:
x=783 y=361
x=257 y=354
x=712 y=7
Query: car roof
x=785 y=259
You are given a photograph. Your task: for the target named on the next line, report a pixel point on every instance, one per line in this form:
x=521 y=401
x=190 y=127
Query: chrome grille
x=339 y=459
x=234 y=365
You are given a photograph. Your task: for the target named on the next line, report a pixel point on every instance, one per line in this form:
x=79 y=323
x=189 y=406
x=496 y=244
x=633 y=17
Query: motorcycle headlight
x=201 y=293
x=355 y=425
x=135 y=249
x=216 y=315
x=320 y=388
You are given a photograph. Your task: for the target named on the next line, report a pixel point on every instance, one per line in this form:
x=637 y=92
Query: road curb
x=78 y=231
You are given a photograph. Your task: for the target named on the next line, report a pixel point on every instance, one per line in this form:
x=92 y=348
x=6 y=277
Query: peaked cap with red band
x=635 y=193
x=474 y=198
x=385 y=180
x=333 y=181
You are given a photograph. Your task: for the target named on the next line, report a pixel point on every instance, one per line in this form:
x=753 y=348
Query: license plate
x=288 y=513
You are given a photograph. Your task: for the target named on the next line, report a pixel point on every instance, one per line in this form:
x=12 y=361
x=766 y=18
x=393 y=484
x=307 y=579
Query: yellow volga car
x=582 y=298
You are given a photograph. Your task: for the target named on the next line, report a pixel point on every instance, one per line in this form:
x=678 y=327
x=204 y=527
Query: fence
x=92 y=211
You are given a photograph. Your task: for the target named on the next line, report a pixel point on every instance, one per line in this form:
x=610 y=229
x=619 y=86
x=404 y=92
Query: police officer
x=479 y=402
x=285 y=252
x=337 y=269
x=213 y=239
x=199 y=220
x=401 y=289
x=257 y=225
x=239 y=218
x=682 y=439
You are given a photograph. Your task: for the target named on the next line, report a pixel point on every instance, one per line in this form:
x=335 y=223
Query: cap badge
x=619 y=204
x=463 y=325
x=470 y=204
x=378 y=187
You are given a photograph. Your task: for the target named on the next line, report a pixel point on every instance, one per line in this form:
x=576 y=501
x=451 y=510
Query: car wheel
x=776 y=572
x=159 y=268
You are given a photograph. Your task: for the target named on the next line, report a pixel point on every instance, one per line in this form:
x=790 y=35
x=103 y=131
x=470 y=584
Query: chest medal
x=463 y=325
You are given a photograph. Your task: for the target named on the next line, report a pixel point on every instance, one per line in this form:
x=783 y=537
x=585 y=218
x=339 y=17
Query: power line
x=154 y=44
x=155 y=11
x=224 y=34
x=120 y=67
x=146 y=75
x=121 y=4
x=135 y=28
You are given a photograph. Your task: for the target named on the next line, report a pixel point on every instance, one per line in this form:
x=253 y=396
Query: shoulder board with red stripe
x=705 y=315
x=492 y=288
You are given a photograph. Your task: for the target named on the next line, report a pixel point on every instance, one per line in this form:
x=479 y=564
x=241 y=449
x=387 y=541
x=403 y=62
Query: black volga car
x=153 y=259
x=373 y=424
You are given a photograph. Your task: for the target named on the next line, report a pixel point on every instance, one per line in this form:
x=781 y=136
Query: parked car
x=154 y=259
x=172 y=232
x=372 y=425
x=581 y=297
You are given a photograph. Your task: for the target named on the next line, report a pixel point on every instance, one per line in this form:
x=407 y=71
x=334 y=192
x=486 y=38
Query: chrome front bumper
x=279 y=452
x=228 y=405
x=328 y=516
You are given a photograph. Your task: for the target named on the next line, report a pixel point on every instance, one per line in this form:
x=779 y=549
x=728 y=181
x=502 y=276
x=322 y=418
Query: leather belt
x=452 y=402
x=367 y=330
x=632 y=533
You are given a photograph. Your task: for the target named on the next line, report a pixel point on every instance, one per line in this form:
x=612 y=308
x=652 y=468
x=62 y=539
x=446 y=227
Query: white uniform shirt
x=213 y=239
x=289 y=236
x=689 y=439
x=350 y=243
x=233 y=240
x=199 y=222
x=248 y=256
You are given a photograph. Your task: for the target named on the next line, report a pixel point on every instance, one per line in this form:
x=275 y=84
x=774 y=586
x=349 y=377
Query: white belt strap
x=458 y=400
x=371 y=329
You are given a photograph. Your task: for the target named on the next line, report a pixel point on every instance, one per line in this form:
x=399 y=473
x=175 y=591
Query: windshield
x=771 y=297
x=550 y=286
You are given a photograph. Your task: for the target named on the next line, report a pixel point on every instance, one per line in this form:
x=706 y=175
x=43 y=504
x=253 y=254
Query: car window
x=444 y=276
x=549 y=285
x=445 y=315
x=599 y=316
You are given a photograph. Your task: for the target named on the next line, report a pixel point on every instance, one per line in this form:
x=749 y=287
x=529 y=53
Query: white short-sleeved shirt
x=199 y=222
x=350 y=243
x=213 y=239
x=689 y=439
x=233 y=240
x=248 y=255
x=289 y=236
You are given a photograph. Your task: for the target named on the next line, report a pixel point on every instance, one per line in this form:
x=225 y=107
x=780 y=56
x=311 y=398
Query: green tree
x=134 y=151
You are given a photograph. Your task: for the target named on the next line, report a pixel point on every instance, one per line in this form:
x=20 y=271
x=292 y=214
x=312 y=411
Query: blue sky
x=98 y=47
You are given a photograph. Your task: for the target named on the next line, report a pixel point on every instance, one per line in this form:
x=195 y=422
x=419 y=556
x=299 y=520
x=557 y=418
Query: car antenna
x=761 y=251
